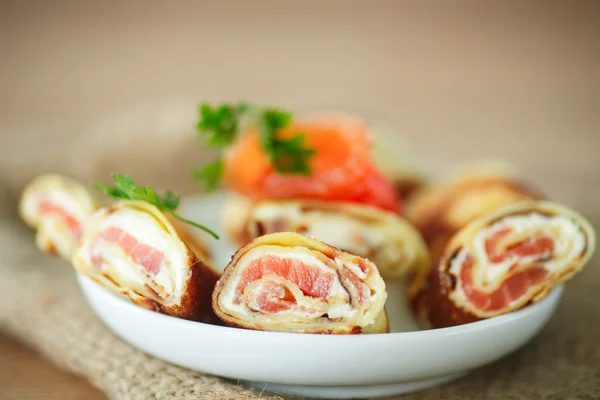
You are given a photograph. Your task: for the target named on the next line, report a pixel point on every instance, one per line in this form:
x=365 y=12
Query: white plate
x=325 y=366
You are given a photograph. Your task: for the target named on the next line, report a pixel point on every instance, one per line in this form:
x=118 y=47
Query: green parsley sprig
x=288 y=156
x=125 y=189
x=221 y=125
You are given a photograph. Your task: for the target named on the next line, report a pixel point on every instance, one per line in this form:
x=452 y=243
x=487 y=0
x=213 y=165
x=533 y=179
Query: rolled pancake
x=505 y=261
x=134 y=249
x=390 y=242
x=57 y=207
x=440 y=211
x=291 y=283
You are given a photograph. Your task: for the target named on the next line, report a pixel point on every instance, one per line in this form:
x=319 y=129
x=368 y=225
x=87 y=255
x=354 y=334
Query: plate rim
x=553 y=298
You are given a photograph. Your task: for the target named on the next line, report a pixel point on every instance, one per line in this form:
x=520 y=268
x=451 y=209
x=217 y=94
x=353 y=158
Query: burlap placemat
x=41 y=306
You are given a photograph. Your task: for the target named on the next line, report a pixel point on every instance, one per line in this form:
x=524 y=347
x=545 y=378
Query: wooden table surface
x=26 y=376
x=460 y=82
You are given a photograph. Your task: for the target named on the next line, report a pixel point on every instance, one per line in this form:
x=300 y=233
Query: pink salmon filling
x=46 y=207
x=272 y=298
x=144 y=255
x=517 y=284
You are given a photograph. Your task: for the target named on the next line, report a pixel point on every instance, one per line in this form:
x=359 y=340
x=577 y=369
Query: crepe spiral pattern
x=57 y=207
x=505 y=261
x=440 y=211
x=132 y=248
x=291 y=283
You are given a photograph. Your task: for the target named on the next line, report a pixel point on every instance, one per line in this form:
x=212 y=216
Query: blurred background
x=89 y=88
x=113 y=86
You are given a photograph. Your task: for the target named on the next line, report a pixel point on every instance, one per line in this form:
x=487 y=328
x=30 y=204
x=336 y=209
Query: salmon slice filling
x=142 y=254
x=311 y=281
x=267 y=286
x=511 y=259
x=510 y=290
x=47 y=207
x=541 y=245
x=132 y=248
x=287 y=282
x=280 y=284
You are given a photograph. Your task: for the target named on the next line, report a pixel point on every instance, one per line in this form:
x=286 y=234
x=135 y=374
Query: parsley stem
x=187 y=221
x=221 y=126
x=125 y=188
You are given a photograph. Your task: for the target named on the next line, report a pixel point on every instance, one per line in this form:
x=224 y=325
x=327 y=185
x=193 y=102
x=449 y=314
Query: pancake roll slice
x=57 y=207
x=134 y=249
x=287 y=282
x=440 y=211
x=505 y=261
x=381 y=236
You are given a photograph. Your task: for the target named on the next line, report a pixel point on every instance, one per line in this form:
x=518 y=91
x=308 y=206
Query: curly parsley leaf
x=222 y=124
x=290 y=155
x=125 y=188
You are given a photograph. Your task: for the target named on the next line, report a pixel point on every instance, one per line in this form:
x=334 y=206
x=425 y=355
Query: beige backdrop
x=93 y=87
x=459 y=80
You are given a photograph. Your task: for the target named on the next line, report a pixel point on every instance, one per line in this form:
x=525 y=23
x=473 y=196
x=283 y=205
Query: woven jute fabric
x=41 y=305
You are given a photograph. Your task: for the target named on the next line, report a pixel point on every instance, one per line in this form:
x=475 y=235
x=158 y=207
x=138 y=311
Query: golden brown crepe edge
x=381 y=324
x=195 y=301
x=433 y=305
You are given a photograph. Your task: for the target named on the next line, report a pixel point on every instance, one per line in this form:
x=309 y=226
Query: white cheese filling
x=57 y=197
x=146 y=230
x=336 y=230
x=67 y=202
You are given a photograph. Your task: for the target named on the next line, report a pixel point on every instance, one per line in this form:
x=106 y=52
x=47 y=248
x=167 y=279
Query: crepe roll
x=134 y=249
x=391 y=243
x=57 y=207
x=291 y=283
x=440 y=211
x=505 y=261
